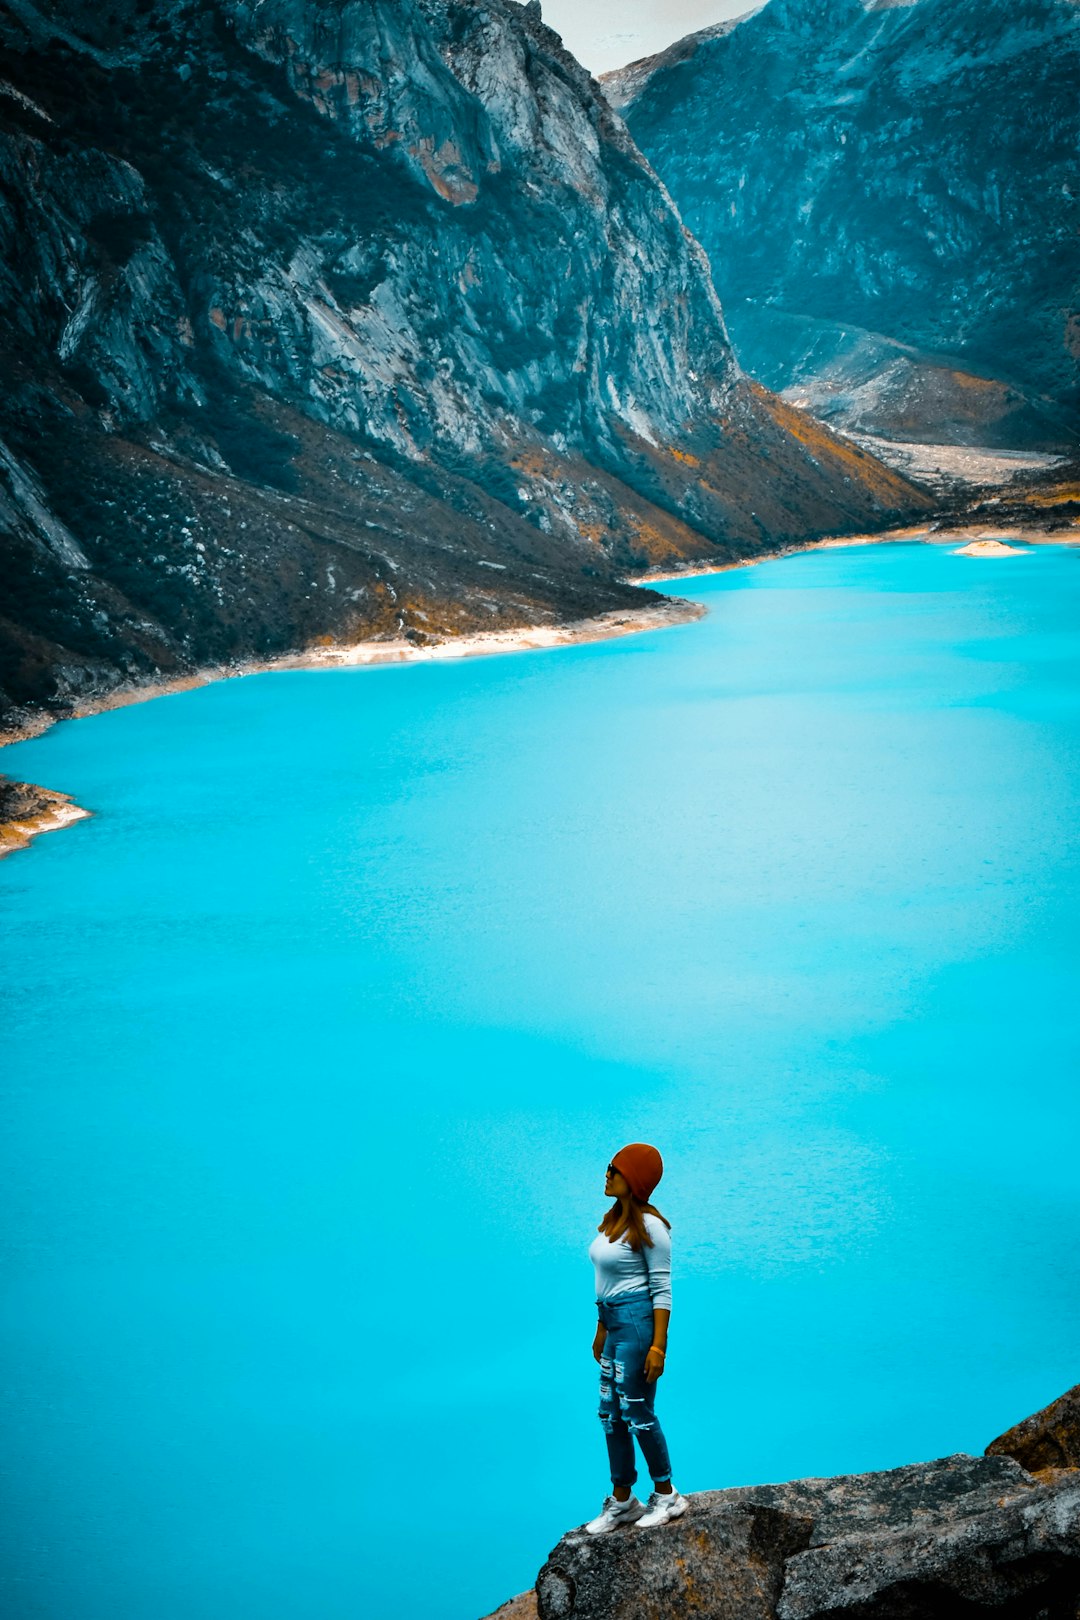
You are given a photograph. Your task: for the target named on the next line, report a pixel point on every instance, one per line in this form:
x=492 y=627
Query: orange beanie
x=642 y=1167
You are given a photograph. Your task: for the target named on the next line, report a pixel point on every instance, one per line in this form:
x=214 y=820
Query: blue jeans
x=626 y=1399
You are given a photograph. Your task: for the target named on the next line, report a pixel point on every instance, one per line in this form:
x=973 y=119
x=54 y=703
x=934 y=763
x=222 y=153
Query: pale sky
x=607 y=34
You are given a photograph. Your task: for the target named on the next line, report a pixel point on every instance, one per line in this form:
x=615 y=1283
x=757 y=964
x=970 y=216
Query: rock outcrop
x=888 y=195
x=333 y=320
x=720 y=1560
x=1048 y=1439
x=961 y=1536
x=27 y=810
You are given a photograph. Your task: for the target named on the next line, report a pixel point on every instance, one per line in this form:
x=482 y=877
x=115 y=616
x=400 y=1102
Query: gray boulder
x=950 y=1539
x=1006 y=1546
x=721 y=1559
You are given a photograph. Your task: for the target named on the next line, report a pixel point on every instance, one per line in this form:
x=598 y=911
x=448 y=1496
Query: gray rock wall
x=905 y=176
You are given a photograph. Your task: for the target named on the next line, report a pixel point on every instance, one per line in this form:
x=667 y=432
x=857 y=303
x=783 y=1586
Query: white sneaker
x=615 y=1513
x=661 y=1508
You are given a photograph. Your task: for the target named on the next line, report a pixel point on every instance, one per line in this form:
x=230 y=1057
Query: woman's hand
x=654 y=1359
x=599 y=1341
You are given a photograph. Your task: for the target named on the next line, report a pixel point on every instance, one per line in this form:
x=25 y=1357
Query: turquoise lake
x=319 y=1036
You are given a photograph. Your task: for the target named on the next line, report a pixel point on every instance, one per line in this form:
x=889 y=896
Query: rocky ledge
x=961 y=1536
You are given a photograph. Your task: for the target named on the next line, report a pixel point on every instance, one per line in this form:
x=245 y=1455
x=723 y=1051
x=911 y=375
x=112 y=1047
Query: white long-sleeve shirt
x=621 y=1270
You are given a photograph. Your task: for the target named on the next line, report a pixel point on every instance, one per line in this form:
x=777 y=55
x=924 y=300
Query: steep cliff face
x=889 y=197
x=529 y=265
x=337 y=319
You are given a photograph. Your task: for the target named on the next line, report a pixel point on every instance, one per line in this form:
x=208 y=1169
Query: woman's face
x=616 y=1185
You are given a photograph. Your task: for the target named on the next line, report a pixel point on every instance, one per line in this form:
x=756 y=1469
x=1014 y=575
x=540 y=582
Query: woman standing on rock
x=632 y=1259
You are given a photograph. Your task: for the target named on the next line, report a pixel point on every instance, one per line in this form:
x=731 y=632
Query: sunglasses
x=611 y=1170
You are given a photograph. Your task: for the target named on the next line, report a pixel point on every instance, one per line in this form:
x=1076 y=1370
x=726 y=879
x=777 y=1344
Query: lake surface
x=320 y=1035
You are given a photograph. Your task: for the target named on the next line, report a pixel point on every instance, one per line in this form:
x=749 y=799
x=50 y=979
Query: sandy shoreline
x=992 y=540
x=533 y=638
x=50 y=811
x=989 y=542
x=528 y=638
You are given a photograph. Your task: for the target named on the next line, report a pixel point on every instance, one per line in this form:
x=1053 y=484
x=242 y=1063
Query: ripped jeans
x=626 y=1399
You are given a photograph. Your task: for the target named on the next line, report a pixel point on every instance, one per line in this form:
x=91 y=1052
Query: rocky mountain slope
x=321 y=321
x=953 y=1539
x=889 y=195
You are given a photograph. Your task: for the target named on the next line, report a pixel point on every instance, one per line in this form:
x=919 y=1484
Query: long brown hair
x=632 y=1225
